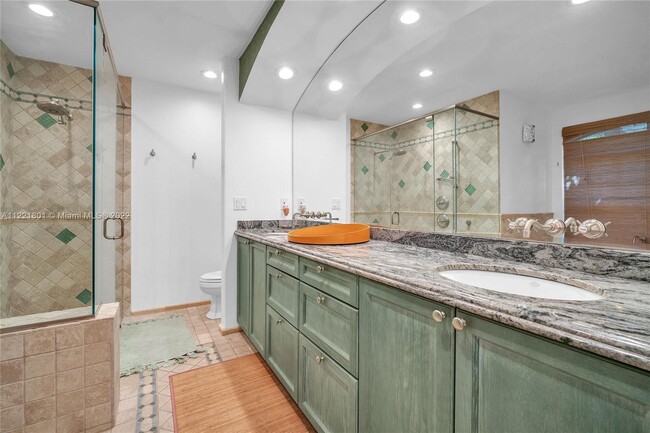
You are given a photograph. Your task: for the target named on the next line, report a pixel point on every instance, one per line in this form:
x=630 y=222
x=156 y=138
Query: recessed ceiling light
x=409 y=17
x=285 y=72
x=209 y=74
x=417 y=106
x=426 y=73
x=579 y=2
x=41 y=10
x=335 y=85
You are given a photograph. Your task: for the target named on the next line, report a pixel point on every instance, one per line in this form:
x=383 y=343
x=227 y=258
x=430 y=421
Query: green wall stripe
x=247 y=59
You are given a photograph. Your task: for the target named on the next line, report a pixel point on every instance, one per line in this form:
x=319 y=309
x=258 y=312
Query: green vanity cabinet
x=244 y=284
x=340 y=284
x=406 y=362
x=283 y=294
x=510 y=381
x=282 y=350
x=328 y=393
x=251 y=291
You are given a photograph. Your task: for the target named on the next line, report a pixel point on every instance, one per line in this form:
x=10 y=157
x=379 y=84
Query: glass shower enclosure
x=59 y=98
x=437 y=173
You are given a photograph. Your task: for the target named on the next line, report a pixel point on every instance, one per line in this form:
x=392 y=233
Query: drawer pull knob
x=438 y=315
x=320 y=299
x=278 y=321
x=458 y=323
x=278 y=276
x=320 y=269
x=319 y=359
x=277 y=252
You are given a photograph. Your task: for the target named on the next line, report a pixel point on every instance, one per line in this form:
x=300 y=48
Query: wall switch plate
x=336 y=204
x=239 y=203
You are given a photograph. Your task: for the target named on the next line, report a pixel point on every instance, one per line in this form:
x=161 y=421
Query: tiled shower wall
x=46 y=167
x=383 y=181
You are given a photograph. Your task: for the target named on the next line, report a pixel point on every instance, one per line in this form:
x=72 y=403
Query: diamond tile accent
x=65 y=236
x=382 y=157
x=365 y=169
x=85 y=296
x=90 y=148
x=90 y=78
x=444 y=174
x=46 y=120
x=427 y=166
x=401 y=183
x=2 y=162
x=393 y=135
x=375 y=221
x=430 y=124
x=364 y=126
x=470 y=189
x=10 y=69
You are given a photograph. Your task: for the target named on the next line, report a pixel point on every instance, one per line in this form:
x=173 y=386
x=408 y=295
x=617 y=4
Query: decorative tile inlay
x=65 y=236
x=364 y=126
x=401 y=183
x=364 y=169
x=2 y=162
x=46 y=120
x=444 y=174
x=427 y=166
x=10 y=69
x=90 y=148
x=393 y=135
x=85 y=296
x=430 y=124
x=382 y=157
x=375 y=221
x=470 y=189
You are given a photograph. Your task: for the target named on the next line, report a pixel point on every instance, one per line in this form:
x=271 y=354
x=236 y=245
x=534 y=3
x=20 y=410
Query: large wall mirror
x=476 y=117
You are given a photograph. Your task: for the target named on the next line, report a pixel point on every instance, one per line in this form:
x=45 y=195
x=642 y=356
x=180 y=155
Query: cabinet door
x=258 y=296
x=283 y=294
x=282 y=350
x=328 y=394
x=509 y=381
x=340 y=284
x=406 y=368
x=244 y=284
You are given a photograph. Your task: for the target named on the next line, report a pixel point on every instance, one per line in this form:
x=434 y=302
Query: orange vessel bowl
x=331 y=234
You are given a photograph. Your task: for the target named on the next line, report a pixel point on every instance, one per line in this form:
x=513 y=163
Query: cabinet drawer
x=283 y=294
x=340 y=284
x=331 y=324
x=328 y=394
x=283 y=261
x=282 y=350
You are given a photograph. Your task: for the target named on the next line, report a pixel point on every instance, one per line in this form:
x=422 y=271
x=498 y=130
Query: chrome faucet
x=592 y=229
x=312 y=215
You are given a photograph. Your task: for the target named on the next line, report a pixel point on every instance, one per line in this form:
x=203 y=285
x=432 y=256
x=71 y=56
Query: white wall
x=256 y=143
x=321 y=149
x=176 y=203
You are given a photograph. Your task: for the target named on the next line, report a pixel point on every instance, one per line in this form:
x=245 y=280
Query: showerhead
x=399 y=152
x=54 y=108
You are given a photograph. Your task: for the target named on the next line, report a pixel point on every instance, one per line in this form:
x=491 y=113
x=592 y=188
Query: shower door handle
x=113 y=238
x=392 y=218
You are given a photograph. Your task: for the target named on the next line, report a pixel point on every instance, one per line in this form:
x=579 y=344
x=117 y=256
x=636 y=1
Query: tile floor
x=145 y=404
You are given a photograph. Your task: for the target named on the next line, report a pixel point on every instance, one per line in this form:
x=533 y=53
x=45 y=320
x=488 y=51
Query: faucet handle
x=593 y=229
x=517 y=225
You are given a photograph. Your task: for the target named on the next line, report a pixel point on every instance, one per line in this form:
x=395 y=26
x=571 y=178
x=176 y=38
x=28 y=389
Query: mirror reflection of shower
x=54 y=108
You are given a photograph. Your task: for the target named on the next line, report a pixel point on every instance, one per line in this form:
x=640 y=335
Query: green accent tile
x=2 y=162
x=430 y=124
x=85 y=296
x=393 y=135
x=375 y=221
x=401 y=183
x=65 y=236
x=382 y=157
x=444 y=174
x=46 y=120
x=470 y=189
x=90 y=78
x=364 y=126
x=90 y=148
x=427 y=166
x=10 y=69
x=365 y=169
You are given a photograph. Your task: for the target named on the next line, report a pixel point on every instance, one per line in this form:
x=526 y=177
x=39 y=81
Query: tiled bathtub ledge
x=616 y=327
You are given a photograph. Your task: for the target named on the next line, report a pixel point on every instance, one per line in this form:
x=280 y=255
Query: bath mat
x=240 y=395
x=155 y=343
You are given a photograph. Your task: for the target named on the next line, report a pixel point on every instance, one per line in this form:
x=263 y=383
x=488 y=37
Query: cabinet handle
x=278 y=276
x=320 y=300
x=319 y=359
x=247 y=242
x=438 y=315
x=278 y=321
x=458 y=323
x=277 y=252
x=320 y=269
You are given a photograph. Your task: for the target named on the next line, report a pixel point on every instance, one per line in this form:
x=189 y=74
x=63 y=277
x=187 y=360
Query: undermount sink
x=522 y=285
x=331 y=234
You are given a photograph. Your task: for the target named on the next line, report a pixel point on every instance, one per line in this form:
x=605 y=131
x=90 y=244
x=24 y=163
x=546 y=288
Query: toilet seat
x=211 y=277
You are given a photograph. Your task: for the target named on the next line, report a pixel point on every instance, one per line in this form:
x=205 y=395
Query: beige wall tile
x=69 y=402
x=69 y=336
x=98 y=352
x=11 y=371
x=98 y=394
x=42 y=427
x=11 y=347
x=40 y=341
x=72 y=423
x=98 y=330
x=40 y=410
x=104 y=428
x=98 y=415
x=40 y=387
x=70 y=380
x=98 y=373
x=11 y=418
x=69 y=358
x=39 y=365
x=11 y=395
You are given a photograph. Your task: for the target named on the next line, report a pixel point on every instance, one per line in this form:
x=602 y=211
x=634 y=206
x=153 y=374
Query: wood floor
x=237 y=396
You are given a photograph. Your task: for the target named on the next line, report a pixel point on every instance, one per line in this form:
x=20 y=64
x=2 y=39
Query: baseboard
x=169 y=308
x=226 y=331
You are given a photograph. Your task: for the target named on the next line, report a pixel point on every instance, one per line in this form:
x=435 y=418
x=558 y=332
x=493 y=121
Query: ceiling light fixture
x=209 y=74
x=335 y=85
x=426 y=73
x=409 y=17
x=417 y=106
x=41 y=10
x=285 y=72
x=578 y=2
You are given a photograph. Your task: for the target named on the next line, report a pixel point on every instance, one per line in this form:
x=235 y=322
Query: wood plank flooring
x=237 y=396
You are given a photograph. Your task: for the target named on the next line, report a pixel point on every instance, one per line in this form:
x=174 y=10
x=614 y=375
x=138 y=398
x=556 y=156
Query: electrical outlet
x=239 y=203
x=336 y=204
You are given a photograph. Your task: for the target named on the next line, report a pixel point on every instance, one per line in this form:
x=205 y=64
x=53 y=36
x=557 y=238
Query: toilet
x=210 y=284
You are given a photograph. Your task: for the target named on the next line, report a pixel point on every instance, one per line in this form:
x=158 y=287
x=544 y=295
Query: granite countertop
x=616 y=326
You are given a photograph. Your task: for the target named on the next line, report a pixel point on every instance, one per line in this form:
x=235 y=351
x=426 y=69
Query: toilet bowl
x=210 y=284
